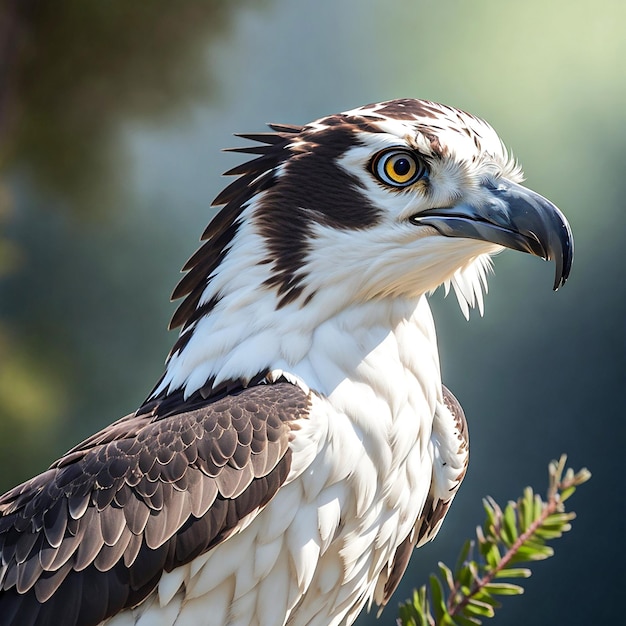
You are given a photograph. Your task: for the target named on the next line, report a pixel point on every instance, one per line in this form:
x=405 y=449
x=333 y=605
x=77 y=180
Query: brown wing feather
x=93 y=534
x=433 y=514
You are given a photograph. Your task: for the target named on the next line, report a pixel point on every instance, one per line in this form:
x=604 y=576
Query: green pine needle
x=519 y=534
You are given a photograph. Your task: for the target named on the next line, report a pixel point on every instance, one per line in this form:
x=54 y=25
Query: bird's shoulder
x=93 y=534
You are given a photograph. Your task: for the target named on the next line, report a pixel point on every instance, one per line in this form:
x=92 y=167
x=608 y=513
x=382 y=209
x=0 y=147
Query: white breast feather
x=360 y=475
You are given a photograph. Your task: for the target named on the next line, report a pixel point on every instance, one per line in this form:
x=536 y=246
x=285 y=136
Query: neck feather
x=242 y=328
x=242 y=337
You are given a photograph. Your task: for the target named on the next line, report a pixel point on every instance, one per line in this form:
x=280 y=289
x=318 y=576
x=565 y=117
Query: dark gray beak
x=514 y=217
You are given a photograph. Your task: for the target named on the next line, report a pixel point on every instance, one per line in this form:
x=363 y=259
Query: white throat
x=323 y=341
x=242 y=337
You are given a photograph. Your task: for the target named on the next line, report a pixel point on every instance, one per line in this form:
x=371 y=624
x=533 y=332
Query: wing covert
x=93 y=534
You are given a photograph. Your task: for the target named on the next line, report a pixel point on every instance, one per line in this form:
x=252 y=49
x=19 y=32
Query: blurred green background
x=112 y=115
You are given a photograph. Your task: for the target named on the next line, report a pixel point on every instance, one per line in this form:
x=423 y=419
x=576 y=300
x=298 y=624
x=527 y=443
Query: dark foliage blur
x=76 y=71
x=73 y=74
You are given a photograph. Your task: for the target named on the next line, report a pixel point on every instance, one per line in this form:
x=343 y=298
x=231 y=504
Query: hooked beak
x=514 y=217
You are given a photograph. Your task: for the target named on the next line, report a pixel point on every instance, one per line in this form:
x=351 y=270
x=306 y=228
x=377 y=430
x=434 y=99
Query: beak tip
x=563 y=265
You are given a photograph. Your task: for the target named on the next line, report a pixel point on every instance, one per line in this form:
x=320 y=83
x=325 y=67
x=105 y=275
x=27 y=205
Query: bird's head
x=385 y=201
x=390 y=199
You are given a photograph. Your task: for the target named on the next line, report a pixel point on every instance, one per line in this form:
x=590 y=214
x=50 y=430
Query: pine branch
x=518 y=534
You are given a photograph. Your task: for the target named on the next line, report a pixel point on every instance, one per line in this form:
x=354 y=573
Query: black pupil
x=402 y=166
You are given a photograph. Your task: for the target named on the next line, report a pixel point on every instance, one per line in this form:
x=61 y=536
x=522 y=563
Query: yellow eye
x=397 y=167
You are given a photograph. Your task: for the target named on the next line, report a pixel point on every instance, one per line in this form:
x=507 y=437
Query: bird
x=300 y=442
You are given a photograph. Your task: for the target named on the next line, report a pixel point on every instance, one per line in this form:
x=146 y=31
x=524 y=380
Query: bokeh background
x=112 y=115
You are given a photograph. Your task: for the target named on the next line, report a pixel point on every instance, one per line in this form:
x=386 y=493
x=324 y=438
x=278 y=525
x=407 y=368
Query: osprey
x=300 y=443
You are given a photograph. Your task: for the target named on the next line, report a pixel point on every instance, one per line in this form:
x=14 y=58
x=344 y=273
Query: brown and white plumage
x=300 y=443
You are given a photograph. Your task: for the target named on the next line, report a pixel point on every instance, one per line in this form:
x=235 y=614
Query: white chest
x=371 y=472
x=361 y=471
